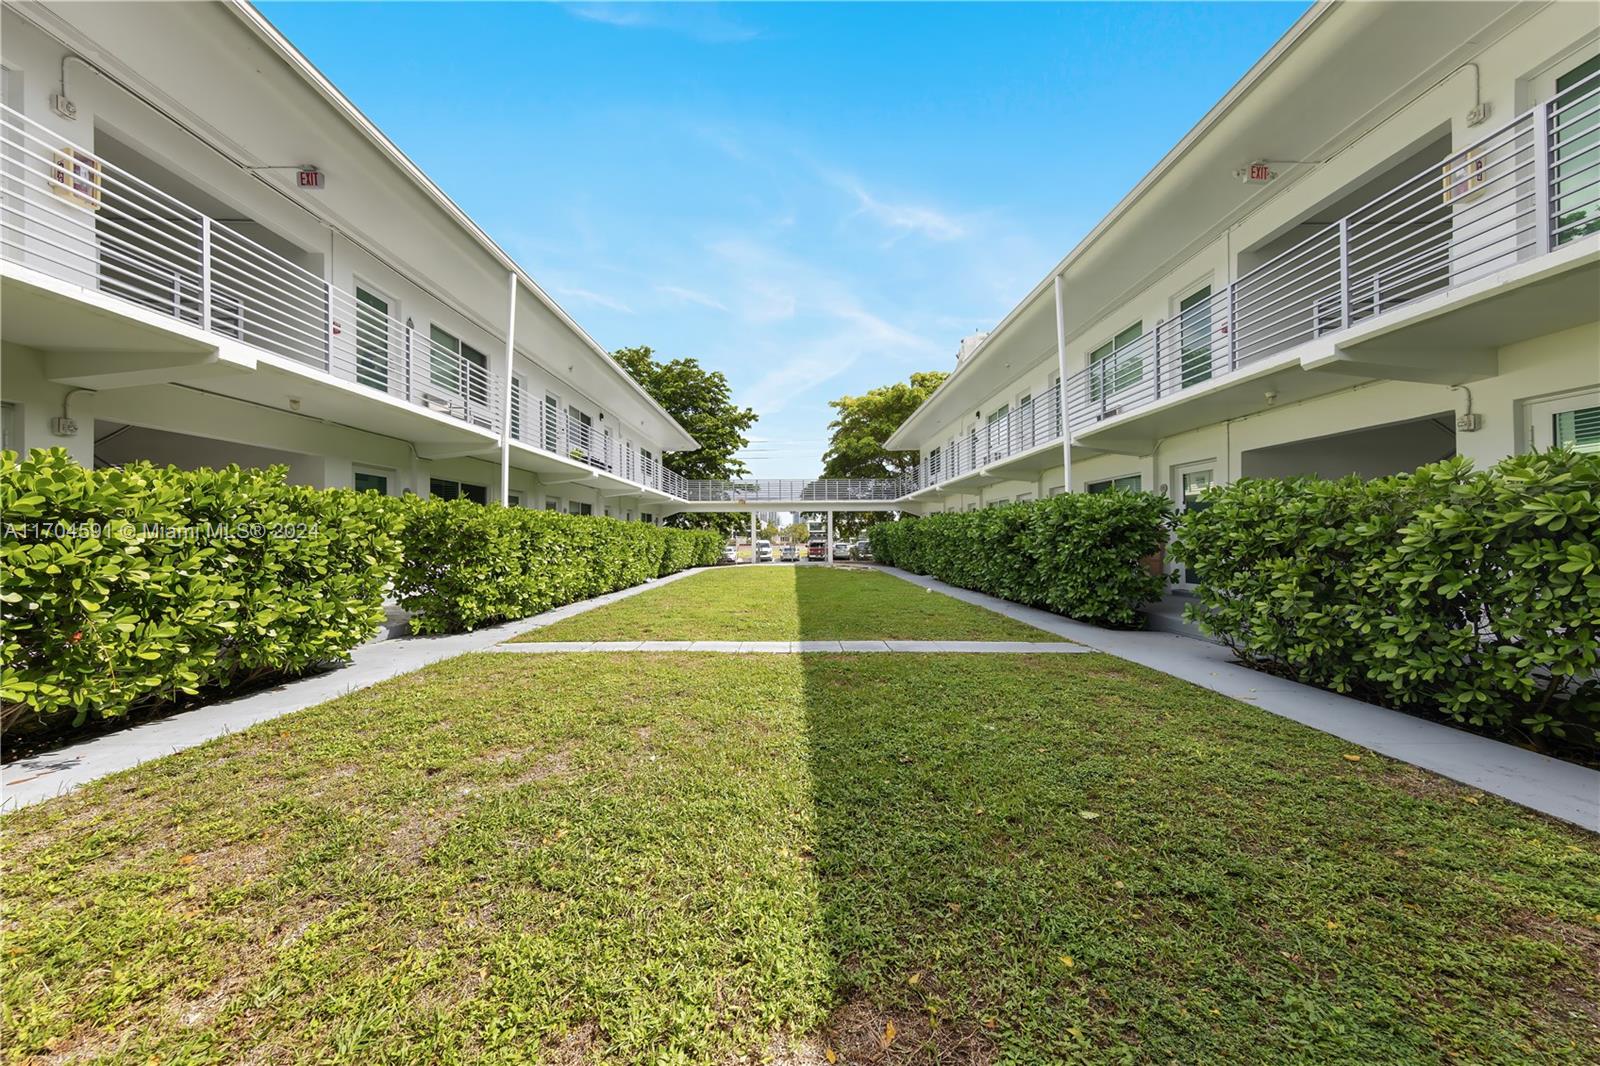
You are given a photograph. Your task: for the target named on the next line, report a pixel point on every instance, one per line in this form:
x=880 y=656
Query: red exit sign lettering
x=310 y=178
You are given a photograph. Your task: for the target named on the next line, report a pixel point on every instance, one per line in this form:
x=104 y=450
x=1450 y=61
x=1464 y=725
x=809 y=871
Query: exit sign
x=1258 y=173
x=309 y=178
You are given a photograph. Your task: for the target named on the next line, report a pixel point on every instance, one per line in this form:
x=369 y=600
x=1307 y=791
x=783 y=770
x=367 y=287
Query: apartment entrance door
x=1189 y=481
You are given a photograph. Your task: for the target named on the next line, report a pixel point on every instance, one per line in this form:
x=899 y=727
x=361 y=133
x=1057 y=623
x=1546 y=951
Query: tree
x=702 y=402
x=769 y=532
x=860 y=428
x=798 y=533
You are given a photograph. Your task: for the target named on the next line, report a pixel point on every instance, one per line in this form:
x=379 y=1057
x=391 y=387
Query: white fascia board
x=262 y=28
x=1045 y=287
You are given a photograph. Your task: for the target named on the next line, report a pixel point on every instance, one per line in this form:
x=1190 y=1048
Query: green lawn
x=789 y=601
x=710 y=858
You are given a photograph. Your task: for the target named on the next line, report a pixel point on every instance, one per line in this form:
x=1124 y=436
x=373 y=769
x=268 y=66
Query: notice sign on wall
x=309 y=178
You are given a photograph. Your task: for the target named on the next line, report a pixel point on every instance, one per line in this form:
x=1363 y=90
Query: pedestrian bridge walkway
x=789 y=494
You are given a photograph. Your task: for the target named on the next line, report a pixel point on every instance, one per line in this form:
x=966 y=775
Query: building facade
x=210 y=256
x=1381 y=249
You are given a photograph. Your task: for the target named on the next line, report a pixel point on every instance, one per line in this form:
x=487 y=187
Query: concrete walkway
x=795 y=647
x=41 y=776
x=1550 y=786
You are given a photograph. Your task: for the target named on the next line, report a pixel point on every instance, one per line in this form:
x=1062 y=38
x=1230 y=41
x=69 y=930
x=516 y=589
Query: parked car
x=763 y=551
x=789 y=554
x=817 y=551
x=841 y=549
x=730 y=554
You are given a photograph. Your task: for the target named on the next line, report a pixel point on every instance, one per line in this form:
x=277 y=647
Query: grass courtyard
x=789 y=601
x=800 y=859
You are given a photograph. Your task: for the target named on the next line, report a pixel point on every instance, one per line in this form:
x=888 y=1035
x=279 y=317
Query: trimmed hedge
x=131 y=587
x=1079 y=554
x=1473 y=594
x=134 y=586
x=467 y=565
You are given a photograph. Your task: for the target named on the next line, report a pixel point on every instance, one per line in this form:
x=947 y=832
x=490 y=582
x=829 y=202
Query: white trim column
x=505 y=406
x=1061 y=362
x=753 y=559
x=830 y=538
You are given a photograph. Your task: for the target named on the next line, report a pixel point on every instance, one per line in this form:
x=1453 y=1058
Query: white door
x=1189 y=481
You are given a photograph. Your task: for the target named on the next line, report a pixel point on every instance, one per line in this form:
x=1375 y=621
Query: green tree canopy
x=859 y=429
x=702 y=402
x=864 y=422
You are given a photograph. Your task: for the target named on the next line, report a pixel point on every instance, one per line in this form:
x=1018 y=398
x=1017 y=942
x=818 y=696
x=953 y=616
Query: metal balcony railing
x=794 y=490
x=80 y=218
x=1519 y=192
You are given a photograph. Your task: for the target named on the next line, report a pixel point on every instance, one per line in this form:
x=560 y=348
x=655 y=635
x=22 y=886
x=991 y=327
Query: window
x=8 y=427
x=580 y=433
x=1576 y=151
x=1194 y=337
x=933 y=465
x=369 y=482
x=552 y=420
x=996 y=431
x=1131 y=483
x=1059 y=490
x=448 y=361
x=372 y=339
x=1024 y=434
x=552 y=504
x=1120 y=363
x=1579 y=428
x=457 y=490
x=1572 y=420
x=574 y=507
x=647 y=517
x=513 y=499
x=517 y=393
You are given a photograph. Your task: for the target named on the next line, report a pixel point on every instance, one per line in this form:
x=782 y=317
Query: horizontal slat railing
x=796 y=490
x=80 y=218
x=1516 y=193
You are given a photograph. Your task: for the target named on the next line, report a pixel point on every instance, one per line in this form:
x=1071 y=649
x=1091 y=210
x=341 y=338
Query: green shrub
x=133 y=586
x=1079 y=554
x=467 y=565
x=1473 y=594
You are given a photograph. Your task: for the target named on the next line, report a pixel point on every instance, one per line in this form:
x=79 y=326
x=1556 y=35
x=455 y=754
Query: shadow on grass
x=1075 y=859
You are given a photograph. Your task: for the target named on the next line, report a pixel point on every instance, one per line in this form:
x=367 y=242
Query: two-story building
x=210 y=256
x=1380 y=249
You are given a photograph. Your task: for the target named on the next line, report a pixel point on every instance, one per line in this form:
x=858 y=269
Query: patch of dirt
x=575 y=1047
x=1567 y=997
x=861 y=1033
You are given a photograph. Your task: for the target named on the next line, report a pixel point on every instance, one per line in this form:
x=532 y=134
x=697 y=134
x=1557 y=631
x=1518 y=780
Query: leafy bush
x=467 y=565
x=1476 y=594
x=133 y=586
x=1079 y=554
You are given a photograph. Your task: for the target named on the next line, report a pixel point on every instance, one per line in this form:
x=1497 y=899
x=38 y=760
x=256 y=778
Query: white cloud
x=594 y=298
x=902 y=218
x=691 y=296
x=706 y=23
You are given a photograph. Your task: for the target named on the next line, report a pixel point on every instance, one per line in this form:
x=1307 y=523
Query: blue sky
x=814 y=199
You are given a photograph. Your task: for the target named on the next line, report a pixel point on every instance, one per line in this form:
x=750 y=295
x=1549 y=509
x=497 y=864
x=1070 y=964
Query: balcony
x=1014 y=442
x=1421 y=283
x=78 y=218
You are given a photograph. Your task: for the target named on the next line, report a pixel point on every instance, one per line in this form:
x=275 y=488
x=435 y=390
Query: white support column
x=1061 y=360
x=830 y=538
x=505 y=387
x=753 y=559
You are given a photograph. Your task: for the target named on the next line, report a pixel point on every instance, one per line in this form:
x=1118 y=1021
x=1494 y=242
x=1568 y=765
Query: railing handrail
x=1457 y=217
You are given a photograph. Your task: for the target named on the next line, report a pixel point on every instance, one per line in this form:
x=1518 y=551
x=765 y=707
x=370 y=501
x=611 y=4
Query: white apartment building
x=211 y=256
x=1380 y=249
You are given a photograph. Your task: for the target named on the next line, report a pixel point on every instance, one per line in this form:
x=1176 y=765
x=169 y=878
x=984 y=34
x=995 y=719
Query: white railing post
x=505 y=410
x=1061 y=386
x=1233 y=329
x=1344 y=274
x=1543 y=224
x=205 y=272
